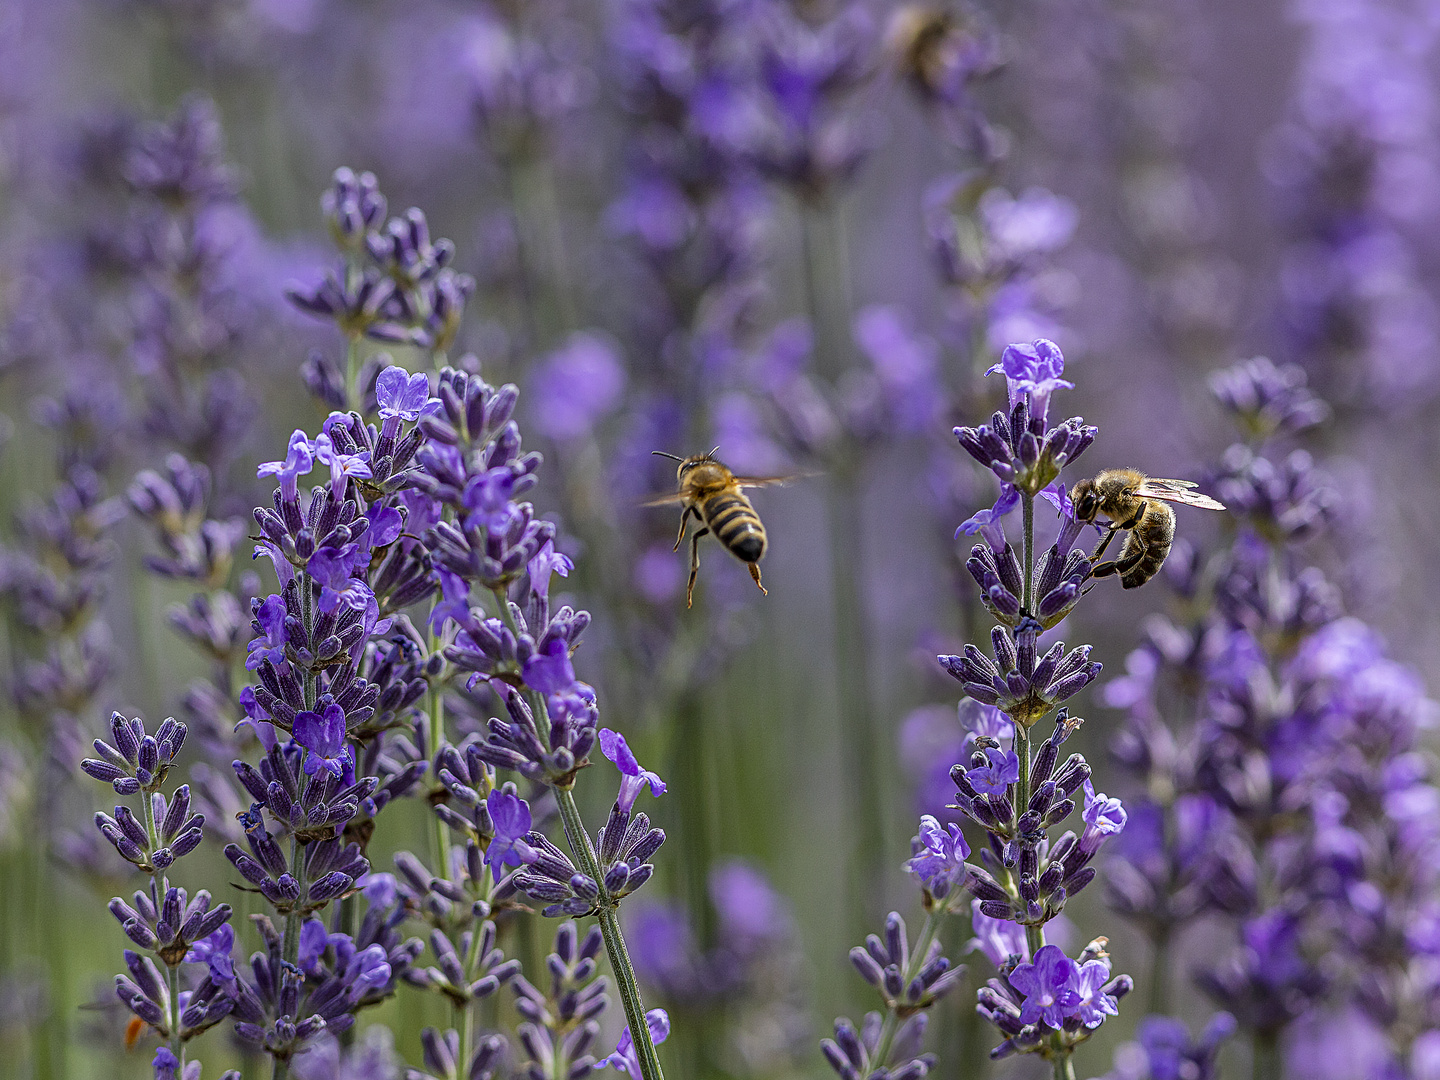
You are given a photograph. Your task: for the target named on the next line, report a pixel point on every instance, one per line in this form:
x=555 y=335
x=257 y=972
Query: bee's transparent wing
x=665 y=500
x=769 y=481
x=1176 y=491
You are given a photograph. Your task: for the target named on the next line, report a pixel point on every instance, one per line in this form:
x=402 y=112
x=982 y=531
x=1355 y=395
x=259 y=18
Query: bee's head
x=686 y=464
x=1086 y=500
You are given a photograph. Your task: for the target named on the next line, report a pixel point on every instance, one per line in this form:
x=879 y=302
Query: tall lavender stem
x=827 y=293
x=605 y=906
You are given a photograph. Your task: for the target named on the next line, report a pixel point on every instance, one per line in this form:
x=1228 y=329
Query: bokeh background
x=798 y=229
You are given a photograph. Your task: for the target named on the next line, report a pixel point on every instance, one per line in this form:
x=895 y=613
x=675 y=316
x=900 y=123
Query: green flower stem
x=1022 y=754
x=829 y=304
x=1159 y=997
x=463 y=1014
x=1034 y=935
x=352 y=371
x=1265 y=1063
x=629 y=993
x=172 y=986
x=864 y=751
x=1063 y=1064
x=1027 y=512
x=435 y=738
x=290 y=946
x=891 y=1026
x=584 y=852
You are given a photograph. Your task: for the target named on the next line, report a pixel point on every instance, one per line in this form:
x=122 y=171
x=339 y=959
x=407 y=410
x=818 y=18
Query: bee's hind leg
x=694 y=565
x=1122 y=565
x=1106 y=569
x=755 y=573
x=684 y=519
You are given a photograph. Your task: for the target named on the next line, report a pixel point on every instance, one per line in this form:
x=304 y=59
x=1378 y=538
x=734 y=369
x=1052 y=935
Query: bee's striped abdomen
x=1155 y=532
x=733 y=521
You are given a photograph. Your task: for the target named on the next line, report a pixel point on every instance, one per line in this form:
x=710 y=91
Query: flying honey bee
x=713 y=494
x=1134 y=501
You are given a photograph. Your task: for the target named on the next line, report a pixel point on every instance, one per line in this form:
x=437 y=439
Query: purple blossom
x=299 y=460
x=342 y=466
x=284 y=569
x=654 y=210
x=385 y=527
x=314 y=940
x=421 y=510
x=633 y=777
x=576 y=387
x=402 y=396
x=381 y=891
x=510 y=815
x=987 y=522
x=215 y=952
x=1103 y=816
x=931 y=739
x=547 y=562
x=1345 y=1044
x=323 y=734
x=906 y=366
x=271 y=617
x=1037 y=223
x=550 y=671
x=167 y=1066
x=455 y=600
x=1033 y=369
x=363 y=971
x=1049 y=985
x=625 y=1059
x=938 y=856
x=333 y=568
x=993 y=779
x=748 y=907
x=661 y=944
x=979 y=719
x=257 y=719
x=488 y=497
x=1094 y=1004
x=998 y=939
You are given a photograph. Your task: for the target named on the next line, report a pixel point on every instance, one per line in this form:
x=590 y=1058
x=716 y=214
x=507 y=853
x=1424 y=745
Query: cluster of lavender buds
x=169 y=929
x=395 y=285
x=187 y=238
x=562 y=1022
x=1277 y=745
x=1041 y=1000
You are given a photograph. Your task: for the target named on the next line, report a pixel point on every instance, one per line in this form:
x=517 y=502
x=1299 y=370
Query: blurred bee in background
x=713 y=494
x=1135 y=502
x=939 y=50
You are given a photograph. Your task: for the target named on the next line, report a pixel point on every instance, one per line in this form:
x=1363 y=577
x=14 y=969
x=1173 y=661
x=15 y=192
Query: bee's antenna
x=662 y=453
x=712 y=453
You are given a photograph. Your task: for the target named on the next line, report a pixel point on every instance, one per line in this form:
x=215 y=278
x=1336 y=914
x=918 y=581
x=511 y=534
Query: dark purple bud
x=1058 y=813
x=1079 y=880
x=616 y=877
